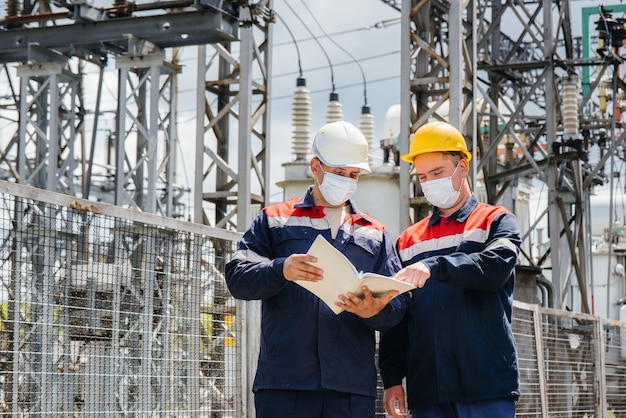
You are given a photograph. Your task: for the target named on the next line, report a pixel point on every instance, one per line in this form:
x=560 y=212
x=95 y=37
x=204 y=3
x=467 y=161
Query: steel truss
x=507 y=62
x=145 y=133
x=41 y=151
x=142 y=172
x=233 y=114
x=48 y=126
x=104 y=315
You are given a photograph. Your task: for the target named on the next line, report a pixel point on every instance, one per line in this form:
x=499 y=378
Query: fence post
x=601 y=367
x=540 y=361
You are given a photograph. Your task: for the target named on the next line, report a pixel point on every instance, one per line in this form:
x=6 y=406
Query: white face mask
x=440 y=192
x=336 y=189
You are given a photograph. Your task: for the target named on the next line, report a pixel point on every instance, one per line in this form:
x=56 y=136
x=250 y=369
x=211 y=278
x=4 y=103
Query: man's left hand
x=367 y=305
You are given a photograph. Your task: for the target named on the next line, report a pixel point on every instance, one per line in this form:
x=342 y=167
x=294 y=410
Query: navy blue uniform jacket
x=304 y=345
x=456 y=342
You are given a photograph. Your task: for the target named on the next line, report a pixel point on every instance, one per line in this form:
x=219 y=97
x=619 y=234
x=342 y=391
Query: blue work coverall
x=304 y=345
x=455 y=343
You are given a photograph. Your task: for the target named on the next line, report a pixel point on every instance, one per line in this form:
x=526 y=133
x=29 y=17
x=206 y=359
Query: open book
x=341 y=277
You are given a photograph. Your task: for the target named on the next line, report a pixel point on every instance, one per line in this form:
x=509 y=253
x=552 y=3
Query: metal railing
x=113 y=312
x=571 y=364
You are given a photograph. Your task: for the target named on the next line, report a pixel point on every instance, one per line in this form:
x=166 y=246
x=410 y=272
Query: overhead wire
x=343 y=86
x=341 y=48
x=293 y=38
x=383 y=24
x=340 y=64
x=330 y=64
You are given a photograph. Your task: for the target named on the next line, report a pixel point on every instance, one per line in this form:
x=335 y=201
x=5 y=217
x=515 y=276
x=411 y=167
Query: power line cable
x=330 y=65
x=293 y=38
x=343 y=86
x=383 y=24
x=342 y=48
x=340 y=64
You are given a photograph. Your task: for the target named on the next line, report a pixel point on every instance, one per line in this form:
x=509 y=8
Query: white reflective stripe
x=452 y=241
x=434 y=244
x=476 y=235
x=502 y=243
x=249 y=255
x=322 y=224
x=448 y=241
x=282 y=221
x=276 y=221
x=363 y=230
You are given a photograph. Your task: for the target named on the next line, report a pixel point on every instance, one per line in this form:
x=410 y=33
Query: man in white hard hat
x=312 y=362
x=455 y=349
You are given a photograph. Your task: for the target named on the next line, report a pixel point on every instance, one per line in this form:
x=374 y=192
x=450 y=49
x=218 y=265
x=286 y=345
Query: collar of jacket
x=460 y=215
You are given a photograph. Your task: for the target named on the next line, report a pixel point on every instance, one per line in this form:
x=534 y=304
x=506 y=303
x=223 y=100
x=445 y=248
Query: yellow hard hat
x=436 y=137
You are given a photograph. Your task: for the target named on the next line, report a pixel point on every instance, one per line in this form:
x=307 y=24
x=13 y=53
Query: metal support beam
x=145 y=131
x=99 y=38
x=526 y=63
x=231 y=195
x=48 y=126
x=233 y=188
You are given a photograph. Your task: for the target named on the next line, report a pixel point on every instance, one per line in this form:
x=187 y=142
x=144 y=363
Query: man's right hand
x=298 y=267
x=393 y=399
x=416 y=274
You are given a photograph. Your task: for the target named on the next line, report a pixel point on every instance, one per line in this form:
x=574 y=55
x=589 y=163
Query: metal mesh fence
x=615 y=368
x=108 y=312
x=530 y=403
x=571 y=365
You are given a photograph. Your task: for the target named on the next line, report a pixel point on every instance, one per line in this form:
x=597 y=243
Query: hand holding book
x=341 y=277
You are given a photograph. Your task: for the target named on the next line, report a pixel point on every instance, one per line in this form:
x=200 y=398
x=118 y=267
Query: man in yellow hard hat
x=455 y=346
x=312 y=362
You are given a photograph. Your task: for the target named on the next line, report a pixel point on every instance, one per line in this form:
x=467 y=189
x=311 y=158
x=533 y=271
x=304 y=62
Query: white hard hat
x=341 y=144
